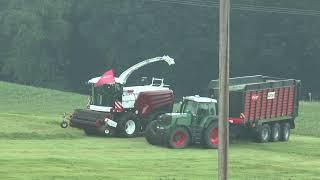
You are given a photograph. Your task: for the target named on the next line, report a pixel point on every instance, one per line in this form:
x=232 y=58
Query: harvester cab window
x=106 y=95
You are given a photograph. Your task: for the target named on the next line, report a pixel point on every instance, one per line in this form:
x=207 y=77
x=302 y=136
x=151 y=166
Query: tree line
x=61 y=44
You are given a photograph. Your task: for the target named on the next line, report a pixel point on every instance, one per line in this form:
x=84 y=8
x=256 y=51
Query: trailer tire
x=150 y=133
x=275 y=132
x=263 y=133
x=129 y=125
x=285 y=131
x=211 y=136
x=179 y=138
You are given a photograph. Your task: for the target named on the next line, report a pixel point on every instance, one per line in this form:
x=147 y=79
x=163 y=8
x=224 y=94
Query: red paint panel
x=285 y=102
x=258 y=106
x=291 y=100
x=279 y=103
x=247 y=105
x=274 y=104
x=148 y=102
x=269 y=105
x=264 y=104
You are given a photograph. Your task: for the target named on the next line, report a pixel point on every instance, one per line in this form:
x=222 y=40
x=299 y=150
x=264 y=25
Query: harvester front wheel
x=129 y=125
x=211 y=136
x=179 y=138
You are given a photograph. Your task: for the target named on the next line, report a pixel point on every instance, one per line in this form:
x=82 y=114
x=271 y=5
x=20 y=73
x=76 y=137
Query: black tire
x=263 y=133
x=285 y=131
x=152 y=117
x=150 y=134
x=128 y=125
x=211 y=136
x=275 y=132
x=179 y=138
x=64 y=124
x=106 y=131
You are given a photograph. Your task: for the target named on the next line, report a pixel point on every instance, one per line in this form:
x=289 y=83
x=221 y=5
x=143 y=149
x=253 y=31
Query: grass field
x=33 y=146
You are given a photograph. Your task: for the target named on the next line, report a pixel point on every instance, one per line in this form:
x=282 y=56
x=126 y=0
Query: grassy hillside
x=33 y=146
x=308 y=121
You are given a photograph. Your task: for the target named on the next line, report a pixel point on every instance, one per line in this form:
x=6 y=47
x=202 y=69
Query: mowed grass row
x=33 y=146
x=113 y=158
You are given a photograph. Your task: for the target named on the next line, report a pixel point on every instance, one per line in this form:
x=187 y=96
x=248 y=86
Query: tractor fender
x=208 y=121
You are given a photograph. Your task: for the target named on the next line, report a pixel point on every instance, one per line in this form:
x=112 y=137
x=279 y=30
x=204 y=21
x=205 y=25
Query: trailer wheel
x=150 y=133
x=129 y=125
x=275 y=132
x=211 y=136
x=285 y=131
x=263 y=133
x=179 y=138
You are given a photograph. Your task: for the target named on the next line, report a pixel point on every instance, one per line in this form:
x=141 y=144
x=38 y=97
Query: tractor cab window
x=212 y=109
x=189 y=107
x=203 y=110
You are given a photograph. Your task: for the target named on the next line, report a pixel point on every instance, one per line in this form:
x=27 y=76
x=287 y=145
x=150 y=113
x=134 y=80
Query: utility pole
x=224 y=89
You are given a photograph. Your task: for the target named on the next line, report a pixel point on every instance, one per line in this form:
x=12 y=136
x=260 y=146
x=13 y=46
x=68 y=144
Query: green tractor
x=197 y=122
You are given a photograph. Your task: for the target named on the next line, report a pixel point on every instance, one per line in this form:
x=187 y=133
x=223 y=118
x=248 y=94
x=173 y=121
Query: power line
x=247 y=7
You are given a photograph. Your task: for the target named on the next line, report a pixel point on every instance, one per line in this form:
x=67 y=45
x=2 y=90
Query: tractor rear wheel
x=179 y=138
x=275 y=132
x=129 y=125
x=211 y=136
x=285 y=131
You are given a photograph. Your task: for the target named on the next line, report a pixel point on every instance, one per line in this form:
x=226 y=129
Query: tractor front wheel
x=150 y=134
x=211 y=136
x=179 y=138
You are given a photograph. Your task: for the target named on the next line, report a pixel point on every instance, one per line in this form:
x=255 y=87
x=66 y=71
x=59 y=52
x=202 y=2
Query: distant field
x=33 y=146
x=308 y=122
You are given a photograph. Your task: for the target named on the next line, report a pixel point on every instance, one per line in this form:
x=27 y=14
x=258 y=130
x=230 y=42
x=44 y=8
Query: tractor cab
x=199 y=107
x=197 y=122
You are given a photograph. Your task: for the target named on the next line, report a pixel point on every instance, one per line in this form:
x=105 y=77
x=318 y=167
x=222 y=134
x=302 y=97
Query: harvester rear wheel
x=275 y=132
x=129 y=125
x=285 y=131
x=211 y=136
x=179 y=138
